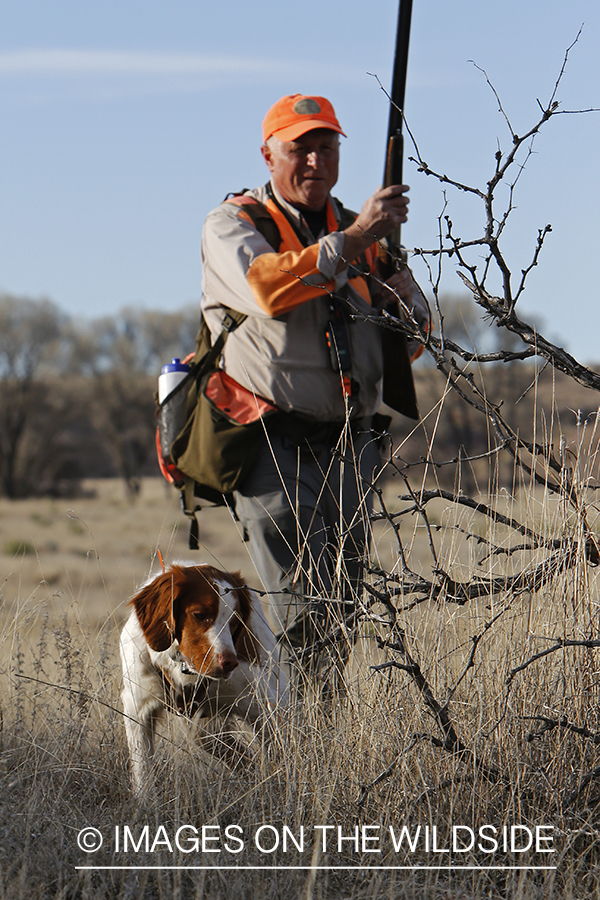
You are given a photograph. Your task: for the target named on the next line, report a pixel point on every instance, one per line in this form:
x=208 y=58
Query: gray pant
x=305 y=510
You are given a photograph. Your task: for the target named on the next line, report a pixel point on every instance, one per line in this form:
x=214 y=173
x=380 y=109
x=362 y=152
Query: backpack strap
x=261 y=218
x=206 y=360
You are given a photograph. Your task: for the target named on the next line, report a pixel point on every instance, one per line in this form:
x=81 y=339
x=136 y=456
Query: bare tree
x=120 y=357
x=35 y=409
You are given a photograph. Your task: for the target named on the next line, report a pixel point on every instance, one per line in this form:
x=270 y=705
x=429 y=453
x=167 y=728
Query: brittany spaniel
x=197 y=643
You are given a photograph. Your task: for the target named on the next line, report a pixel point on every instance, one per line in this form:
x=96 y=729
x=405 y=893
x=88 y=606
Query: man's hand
x=381 y=213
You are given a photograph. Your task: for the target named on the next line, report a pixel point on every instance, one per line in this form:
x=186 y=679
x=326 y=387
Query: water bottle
x=171 y=409
x=169 y=378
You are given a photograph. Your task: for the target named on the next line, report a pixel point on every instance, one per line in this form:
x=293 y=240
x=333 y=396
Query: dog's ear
x=156 y=608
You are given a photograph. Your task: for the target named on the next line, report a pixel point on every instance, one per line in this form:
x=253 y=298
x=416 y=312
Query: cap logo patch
x=306 y=107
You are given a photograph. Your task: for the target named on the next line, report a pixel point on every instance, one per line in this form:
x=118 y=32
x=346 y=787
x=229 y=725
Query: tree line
x=76 y=398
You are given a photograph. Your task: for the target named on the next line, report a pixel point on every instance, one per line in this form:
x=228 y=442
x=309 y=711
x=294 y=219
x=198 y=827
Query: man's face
x=304 y=171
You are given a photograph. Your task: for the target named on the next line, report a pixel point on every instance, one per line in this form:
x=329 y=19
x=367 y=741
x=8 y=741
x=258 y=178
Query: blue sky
x=125 y=121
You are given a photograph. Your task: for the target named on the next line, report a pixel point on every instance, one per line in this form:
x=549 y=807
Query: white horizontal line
x=331 y=868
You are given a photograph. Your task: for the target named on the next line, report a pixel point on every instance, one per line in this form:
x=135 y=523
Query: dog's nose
x=227 y=662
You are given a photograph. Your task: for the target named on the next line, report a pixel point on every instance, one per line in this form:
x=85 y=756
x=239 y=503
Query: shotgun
x=398 y=383
x=395 y=140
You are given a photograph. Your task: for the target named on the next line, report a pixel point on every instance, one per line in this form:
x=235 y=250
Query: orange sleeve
x=277 y=279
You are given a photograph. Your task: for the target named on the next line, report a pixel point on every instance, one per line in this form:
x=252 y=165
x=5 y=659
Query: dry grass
x=91 y=552
x=62 y=744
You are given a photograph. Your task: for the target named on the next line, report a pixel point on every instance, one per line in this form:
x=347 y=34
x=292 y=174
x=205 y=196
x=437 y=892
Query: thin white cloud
x=40 y=76
x=115 y=62
x=181 y=68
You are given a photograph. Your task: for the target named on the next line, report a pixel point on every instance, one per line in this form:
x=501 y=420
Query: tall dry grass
x=434 y=724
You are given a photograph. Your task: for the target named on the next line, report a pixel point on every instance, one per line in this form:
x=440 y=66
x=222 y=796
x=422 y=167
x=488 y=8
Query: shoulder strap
x=260 y=215
x=232 y=320
x=347 y=216
x=207 y=355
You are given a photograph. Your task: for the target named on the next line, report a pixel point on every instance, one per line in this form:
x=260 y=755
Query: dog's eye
x=202 y=617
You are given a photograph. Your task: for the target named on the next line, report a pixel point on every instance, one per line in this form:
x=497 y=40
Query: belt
x=301 y=428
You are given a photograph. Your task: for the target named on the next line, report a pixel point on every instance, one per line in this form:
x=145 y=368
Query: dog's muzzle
x=187 y=668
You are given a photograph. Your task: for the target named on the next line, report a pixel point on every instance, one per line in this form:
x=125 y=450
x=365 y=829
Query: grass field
x=375 y=759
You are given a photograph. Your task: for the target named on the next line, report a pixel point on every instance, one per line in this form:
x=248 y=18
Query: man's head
x=301 y=149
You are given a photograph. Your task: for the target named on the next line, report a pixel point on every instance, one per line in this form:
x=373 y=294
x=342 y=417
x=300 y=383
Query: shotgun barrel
x=398 y=383
x=395 y=140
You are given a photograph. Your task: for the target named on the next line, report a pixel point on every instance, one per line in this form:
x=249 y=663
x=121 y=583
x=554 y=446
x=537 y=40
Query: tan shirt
x=280 y=352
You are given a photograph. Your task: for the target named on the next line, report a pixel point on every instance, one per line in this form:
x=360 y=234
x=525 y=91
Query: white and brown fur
x=197 y=642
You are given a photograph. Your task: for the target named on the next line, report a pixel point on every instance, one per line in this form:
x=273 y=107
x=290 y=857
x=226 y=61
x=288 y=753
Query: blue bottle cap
x=175 y=366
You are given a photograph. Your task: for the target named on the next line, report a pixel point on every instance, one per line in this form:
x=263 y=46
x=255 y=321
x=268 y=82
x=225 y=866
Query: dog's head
x=206 y=611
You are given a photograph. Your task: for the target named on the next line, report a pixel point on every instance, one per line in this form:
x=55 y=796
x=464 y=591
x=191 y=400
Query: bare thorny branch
x=543 y=558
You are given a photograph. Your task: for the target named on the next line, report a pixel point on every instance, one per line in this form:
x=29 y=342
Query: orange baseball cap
x=296 y=114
